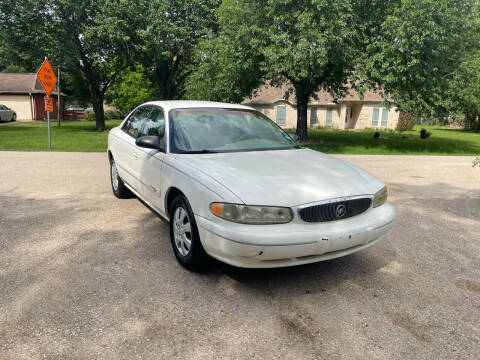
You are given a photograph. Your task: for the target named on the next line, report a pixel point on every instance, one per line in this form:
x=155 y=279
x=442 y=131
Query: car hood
x=284 y=177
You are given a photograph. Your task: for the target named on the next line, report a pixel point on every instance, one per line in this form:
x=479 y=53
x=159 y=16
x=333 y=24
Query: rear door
x=126 y=153
x=152 y=160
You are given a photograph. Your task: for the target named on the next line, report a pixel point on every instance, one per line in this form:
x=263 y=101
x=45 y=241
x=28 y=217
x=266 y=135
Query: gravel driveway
x=84 y=275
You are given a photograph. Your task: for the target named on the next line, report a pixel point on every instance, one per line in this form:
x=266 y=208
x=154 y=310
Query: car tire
x=118 y=186
x=14 y=117
x=184 y=236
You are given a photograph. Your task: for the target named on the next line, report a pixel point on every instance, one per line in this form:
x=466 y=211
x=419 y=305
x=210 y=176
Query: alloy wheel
x=182 y=231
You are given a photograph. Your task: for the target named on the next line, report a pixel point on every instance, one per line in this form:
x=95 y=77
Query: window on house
x=281 y=115
x=375 y=117
x=376 y=120
x=313 y=116
x=329 y=117
x=384 y=117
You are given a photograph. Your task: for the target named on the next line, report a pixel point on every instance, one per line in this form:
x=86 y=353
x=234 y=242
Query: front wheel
x=14 y=117
x=118 y=186
x=184 y=236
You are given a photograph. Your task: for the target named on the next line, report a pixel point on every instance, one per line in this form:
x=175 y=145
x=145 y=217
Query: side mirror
x=294 y=137
x=151 y=142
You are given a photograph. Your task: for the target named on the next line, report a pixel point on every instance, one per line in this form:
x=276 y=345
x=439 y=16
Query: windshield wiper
x=204 y=151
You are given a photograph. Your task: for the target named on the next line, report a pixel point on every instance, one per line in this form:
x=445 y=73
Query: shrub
x=113 y=115
x=406 y=121
x=90 y=115
x=425 y=134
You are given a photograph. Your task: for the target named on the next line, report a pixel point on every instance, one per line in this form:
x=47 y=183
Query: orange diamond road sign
x=48 y=103
x=47 y=77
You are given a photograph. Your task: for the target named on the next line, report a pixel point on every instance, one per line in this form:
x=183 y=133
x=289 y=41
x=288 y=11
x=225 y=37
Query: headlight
x=380 y=197
x=245 y=214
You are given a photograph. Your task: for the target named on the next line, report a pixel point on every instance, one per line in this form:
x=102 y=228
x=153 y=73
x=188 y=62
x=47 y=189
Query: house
x=349 y=112
x=24 y=94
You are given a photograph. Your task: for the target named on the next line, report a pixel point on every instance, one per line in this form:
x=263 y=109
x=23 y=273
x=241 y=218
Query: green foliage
x=113 y=115
x=166 y=37
x=307 y=43
x=415 y=49
x=131 y=89
x=464 y=90
x=90 y=116
x=406 y=121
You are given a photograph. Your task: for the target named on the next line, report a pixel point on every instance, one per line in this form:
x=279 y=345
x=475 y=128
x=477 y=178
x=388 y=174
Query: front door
x=127 y=153
x=152 y=161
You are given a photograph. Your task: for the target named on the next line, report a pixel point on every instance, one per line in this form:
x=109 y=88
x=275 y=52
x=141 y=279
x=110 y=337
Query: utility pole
x=59 y=97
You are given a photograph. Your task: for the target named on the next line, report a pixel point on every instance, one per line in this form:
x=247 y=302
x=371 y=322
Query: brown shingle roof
x=267 y=94
x=21 y=84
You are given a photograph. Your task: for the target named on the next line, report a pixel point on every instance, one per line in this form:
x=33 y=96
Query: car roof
x=185 y=104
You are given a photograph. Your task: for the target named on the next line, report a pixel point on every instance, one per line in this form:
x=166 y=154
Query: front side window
x=281 y=115
x=135 y=121
x=155 y=123
x=198 y=130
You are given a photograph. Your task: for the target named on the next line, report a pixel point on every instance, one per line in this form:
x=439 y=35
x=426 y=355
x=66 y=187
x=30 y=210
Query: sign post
x=47 y=78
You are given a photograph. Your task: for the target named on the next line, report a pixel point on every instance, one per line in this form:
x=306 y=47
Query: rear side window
x=134 y=123
x=155 y=123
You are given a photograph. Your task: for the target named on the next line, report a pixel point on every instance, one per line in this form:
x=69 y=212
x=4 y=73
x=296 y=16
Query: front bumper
x=268 y=246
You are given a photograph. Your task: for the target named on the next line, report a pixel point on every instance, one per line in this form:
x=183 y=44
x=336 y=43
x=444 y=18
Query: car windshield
x=205 y=130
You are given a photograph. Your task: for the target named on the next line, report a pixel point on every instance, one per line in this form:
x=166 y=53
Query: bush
x=406 y=121
x=90 y=115
x=425 y=134
x=113 y=115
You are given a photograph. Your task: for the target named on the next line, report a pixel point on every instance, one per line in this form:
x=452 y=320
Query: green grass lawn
x=81 y=136
x=70 y=136
x=442 y=142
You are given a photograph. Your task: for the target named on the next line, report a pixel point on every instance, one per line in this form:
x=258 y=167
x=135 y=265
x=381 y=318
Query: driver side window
x=155 y=123
x=134 y=123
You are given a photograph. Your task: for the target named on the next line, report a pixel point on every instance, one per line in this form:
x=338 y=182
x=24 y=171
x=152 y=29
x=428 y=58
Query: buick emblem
x=340 y=211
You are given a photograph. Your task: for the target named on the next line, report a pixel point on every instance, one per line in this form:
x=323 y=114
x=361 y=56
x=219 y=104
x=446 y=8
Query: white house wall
x=361 y=119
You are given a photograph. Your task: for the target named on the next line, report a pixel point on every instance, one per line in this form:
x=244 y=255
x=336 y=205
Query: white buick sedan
x=236 y=187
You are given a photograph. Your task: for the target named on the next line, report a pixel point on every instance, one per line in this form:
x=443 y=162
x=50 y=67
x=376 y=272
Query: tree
x=166 y=38
x=88 y=38
x=131 y=89
x=100 y=33
x=464 y=90
x=415 y=49
x=409 y=48
x=305 y=42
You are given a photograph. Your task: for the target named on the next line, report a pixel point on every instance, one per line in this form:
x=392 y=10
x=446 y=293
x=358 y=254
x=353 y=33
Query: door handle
x=135 y=155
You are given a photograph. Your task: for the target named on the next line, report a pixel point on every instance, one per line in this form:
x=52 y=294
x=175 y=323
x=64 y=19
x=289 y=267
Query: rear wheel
x=184 y=236
x=118 y=186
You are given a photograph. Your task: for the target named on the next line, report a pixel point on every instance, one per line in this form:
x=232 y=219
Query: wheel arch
x=171 y=193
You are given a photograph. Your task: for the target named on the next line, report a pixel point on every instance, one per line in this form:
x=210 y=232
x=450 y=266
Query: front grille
x=335 y=210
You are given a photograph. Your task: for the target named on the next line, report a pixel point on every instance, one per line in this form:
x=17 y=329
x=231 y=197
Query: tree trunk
x=95 y=91
x=99 y=113
x=302 y=106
